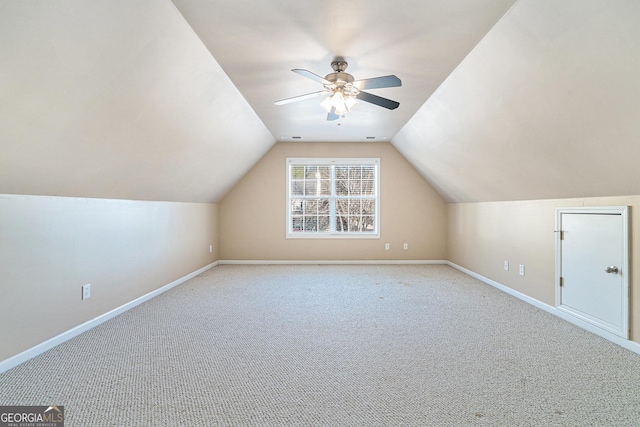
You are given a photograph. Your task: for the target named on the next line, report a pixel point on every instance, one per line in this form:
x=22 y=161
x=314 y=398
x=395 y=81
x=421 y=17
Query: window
x=330 y=198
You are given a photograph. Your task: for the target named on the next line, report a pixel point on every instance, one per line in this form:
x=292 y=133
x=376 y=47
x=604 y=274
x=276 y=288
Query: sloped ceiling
x=153 y=100
x=258 y=43
x=117 y=99
x=546 y=106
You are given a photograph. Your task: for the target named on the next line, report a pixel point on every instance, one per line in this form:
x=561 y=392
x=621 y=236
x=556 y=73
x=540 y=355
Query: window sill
x=333 y=236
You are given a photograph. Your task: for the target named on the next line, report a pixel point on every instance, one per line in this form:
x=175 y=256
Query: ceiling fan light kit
x=339 y=102
x=344 y=91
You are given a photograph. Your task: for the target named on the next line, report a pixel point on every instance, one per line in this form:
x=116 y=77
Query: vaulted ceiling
x=161 y=100
x=258 y=43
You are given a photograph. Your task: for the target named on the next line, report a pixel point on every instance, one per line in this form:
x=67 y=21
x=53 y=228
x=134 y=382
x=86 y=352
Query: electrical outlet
x=86 y=291
x=405 y=246
x=386 y=246
x=506 y=266
x=521 y=269
x=210 y=249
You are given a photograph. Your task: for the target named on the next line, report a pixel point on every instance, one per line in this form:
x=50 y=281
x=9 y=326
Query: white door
x=593 y=266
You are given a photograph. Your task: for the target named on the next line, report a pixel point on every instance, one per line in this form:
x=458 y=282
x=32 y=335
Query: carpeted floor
x=333 y=346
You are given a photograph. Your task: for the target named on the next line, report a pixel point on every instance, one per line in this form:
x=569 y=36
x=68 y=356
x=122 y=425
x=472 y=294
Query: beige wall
x=481 y=236
x=51 y=246
x=253 y=213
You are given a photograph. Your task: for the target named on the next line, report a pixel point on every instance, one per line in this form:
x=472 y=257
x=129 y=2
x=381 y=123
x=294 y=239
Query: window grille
x=332 y=197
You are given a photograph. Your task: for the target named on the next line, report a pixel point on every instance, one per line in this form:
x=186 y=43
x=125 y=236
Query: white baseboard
x=19 y=358
x=628 y=344
x=327 y=262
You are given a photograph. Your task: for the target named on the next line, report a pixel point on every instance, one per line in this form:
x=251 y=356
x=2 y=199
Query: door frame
x=624 y=268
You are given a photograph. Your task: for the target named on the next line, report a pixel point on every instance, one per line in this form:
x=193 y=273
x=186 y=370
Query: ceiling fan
x=344 y=90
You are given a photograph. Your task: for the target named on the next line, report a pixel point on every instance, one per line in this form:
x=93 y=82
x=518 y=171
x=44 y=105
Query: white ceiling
x=161 y=100
x=546 y=106
x=258 y=43
x=117 y=99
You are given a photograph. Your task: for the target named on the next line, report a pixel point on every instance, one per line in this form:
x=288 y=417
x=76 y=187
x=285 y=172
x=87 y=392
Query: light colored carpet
x=333 y=346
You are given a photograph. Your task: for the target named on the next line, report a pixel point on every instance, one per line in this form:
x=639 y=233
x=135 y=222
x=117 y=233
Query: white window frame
x=298 y=161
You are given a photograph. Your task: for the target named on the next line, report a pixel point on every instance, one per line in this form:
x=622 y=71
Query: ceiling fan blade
x=300 y=97
x=378 y=82
x=332 y=115
x=378 y=100
x=312 y=76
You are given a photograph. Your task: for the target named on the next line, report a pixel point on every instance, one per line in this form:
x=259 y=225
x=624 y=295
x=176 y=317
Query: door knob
x=613 y=269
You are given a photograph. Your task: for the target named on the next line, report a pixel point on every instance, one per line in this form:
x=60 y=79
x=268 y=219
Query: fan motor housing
x=339 y=79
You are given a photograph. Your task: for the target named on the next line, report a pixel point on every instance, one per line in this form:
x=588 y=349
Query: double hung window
x=330 y=198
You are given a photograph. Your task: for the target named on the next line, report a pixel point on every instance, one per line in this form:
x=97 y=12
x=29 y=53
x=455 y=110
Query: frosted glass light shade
x=339 y=103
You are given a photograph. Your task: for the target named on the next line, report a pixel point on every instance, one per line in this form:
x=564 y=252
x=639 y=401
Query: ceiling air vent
x=291 y=138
